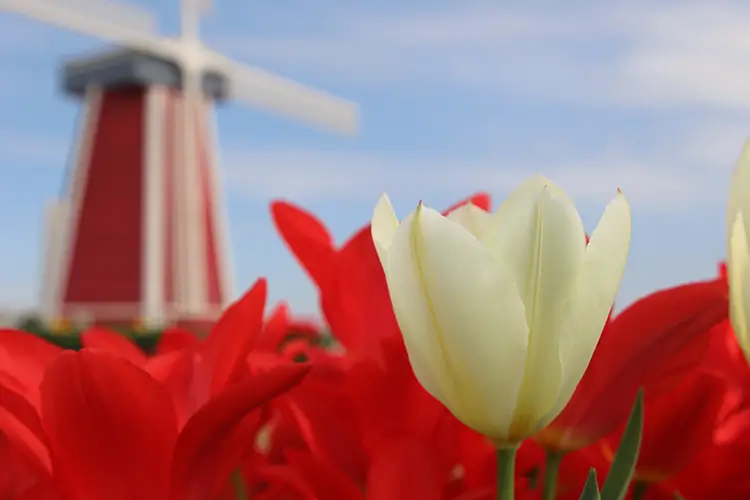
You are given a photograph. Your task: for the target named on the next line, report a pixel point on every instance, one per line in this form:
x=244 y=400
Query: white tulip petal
x=511 y=230
x=383 y=227
x=523 y=198
x=538 y=233
x=597 y=286
x=556 y=251
x=744 y=305
x=472 y=218
x=413 y=315
x=738 y=186
x=738 y=264
x=738 y=259
x=478 y=320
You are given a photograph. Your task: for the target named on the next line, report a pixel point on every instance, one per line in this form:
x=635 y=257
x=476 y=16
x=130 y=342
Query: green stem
x=639 y=490
x=506 y=465
x=238 y=484
x=551 y=471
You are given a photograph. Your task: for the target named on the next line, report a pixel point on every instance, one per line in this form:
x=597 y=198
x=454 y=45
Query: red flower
x=194 y=370
x=23 y=360
x=110 y=430
x=719 y=470
x=679 y=423
x=665 y=334
x=281 y=327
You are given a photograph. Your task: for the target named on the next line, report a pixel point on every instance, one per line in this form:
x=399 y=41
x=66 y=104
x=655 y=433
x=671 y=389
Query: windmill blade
x=285 y=97
x=113 y=23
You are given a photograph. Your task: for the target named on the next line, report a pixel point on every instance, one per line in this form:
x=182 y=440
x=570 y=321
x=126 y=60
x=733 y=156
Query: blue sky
x=653 y=97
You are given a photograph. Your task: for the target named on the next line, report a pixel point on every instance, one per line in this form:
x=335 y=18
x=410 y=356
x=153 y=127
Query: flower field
x=475 y=357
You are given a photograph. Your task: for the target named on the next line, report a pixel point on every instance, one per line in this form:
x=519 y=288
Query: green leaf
x=591 y=488
x=623 y=466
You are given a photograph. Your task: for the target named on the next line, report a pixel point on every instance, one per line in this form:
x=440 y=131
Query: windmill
x=139 y=235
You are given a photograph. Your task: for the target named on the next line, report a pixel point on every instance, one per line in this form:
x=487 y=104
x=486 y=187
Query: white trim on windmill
x=78 y=170
x=221 y=216
x=152 y=270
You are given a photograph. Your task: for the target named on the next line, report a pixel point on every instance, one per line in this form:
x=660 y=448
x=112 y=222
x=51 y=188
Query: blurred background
x=456 y=97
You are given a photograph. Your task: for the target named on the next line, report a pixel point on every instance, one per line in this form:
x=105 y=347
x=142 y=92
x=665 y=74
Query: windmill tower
x=141 y=235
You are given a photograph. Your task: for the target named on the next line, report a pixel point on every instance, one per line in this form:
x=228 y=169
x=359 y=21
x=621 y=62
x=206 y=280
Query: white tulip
x=500 y=313
x=738 y=257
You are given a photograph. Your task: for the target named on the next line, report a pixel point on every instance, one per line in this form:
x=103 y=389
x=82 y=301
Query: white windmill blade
x=207 y=5
x=109 y=28
x=286 y=97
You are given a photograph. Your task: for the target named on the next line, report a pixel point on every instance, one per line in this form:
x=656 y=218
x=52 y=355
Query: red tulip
x=23 y=360
x=719 y=470
x=200 y=369
x=110 y=430
x=16 y=476
x=175 y=339
x=679 y=422
x=280 y=325
x=114 y=343
x=663 y=334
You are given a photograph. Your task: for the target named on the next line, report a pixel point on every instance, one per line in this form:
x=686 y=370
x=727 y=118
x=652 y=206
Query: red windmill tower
x=141 y=235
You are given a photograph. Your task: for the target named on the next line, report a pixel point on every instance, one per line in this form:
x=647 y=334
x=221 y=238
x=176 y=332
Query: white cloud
x=711 y=144
x=645 y=54
x=653 y=183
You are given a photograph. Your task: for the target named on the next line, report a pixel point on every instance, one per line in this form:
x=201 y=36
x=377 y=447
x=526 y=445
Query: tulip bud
x=738 y=257
x=500 y=313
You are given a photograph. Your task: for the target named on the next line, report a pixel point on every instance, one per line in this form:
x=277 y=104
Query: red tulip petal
x=389 y=398
x=282 y=482
x=205 y=446
x=481 y=200
x=326 y=421
x=324 y=480
x=175 y=339
x=485 y=494
x=719 y=470
x=665 y=334
x=574 y=470
x=23 y=409
x=236 y=446
x=357 y=305
x=307 y=238
x=722 y=268
x=405 y=468
x=679 y=424
x=176 y=370
x=27 y=443
x=276 y=327
x=113 y=343
x=16 y=474
x=46 y=490
x=234 y=335
x=20 y=423
x=24 y=358
x=112 y=428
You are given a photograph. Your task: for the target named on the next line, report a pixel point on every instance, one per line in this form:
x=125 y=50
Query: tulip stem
x=506 y=464
x=639 y=490
x=551 y=472
x=238 y=484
